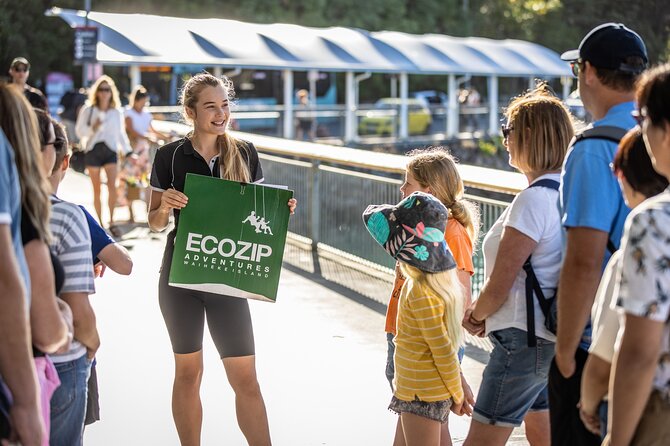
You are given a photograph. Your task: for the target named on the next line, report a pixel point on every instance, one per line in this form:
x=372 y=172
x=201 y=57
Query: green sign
x=231 y=238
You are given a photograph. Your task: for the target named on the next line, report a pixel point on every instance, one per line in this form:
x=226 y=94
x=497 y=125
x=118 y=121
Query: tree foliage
x=557 y=24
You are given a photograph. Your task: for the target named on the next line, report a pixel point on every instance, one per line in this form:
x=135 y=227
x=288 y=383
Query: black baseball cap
x=607 y=46
x=20 y=61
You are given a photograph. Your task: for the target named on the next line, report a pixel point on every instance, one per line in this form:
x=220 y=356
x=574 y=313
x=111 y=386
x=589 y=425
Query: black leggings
x=184 y=312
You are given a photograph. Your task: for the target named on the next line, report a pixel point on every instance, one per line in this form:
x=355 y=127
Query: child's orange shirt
x=460 y=245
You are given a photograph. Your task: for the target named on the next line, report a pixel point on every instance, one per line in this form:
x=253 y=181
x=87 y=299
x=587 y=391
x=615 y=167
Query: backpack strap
x=532 y=284
x=607 y=132
x=533 y=287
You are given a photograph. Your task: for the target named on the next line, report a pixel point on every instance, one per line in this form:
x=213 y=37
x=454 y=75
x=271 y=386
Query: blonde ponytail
x=446 y=285
x=233 y=165
x=435 y=169
x=466 y=213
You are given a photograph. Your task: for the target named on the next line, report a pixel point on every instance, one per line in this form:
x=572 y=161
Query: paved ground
x=321 y=352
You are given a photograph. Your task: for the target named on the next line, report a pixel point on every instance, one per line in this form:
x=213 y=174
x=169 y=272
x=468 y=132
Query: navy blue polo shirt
x=173 y=161
x=99 y=237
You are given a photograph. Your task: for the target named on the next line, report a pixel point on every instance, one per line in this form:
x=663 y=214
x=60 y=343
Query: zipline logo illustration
x=258 y=222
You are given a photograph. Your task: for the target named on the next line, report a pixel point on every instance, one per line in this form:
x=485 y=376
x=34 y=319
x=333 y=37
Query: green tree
x=557 y=24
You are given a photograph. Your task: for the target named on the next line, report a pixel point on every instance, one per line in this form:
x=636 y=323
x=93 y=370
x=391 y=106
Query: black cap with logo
x=608 y=46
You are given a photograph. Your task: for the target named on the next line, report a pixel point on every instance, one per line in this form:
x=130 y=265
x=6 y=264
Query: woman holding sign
x=207 y=150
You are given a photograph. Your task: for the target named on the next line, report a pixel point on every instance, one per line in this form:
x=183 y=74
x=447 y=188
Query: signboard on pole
x=231 y=238
x=85 y=44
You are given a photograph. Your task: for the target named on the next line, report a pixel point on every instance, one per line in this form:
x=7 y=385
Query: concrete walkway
x=321 y=352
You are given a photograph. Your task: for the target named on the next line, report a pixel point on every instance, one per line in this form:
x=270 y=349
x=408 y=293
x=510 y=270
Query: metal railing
x=335 y=184
x=329 y=120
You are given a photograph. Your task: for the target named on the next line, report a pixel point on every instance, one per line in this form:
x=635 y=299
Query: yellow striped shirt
x=426 y=361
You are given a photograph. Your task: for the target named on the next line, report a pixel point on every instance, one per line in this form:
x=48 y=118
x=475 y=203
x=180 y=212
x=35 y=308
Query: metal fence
x=371 y=123
x=333 y=194
x=335 y=184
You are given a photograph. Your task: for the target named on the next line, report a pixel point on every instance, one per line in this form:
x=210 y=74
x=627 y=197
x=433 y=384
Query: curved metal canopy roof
x=142 y=39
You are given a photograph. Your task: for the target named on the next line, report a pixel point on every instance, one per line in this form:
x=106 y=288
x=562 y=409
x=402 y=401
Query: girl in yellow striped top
x=427 y=372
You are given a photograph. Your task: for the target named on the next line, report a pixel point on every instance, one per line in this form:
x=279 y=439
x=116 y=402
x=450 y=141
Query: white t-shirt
x=604 y=315
x=112 y=130
x=141 y=120
x=534 y=213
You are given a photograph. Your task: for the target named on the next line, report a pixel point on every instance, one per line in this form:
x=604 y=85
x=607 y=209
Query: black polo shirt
x=173 y=161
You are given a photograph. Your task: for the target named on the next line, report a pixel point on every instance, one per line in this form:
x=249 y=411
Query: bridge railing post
x=314 y=191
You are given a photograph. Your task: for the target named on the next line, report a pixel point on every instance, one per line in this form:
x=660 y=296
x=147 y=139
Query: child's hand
x=292 y=204
x=468 y=397
x=99 y=269
x=457 y=408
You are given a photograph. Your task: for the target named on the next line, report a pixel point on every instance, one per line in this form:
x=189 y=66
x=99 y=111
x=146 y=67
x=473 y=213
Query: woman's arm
x=161 y=135
x=160 y=204
x=84 y=321
x=634 y=370
x=514 y=249
x=83 y=126
x=595 y=380
x=464 y=279
x=48 y=329
x=124 y=141
x=130 y=130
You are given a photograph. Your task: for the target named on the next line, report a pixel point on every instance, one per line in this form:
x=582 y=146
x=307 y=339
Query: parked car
x=431 y=98
x=383 y=122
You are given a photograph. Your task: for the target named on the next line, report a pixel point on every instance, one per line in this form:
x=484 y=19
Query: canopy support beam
x=350 y=133
x=494 y=123
x=288 y=104
x=135 y=76
x=404 y=87
x=452 y=108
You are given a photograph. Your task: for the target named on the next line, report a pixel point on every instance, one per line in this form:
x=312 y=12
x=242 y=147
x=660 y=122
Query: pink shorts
x=47 y=376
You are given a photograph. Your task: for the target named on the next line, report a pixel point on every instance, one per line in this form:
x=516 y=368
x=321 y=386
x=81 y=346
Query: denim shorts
x=514 y=380
x=68 y=403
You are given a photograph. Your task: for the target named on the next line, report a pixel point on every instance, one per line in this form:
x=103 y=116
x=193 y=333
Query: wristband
x=474 y=321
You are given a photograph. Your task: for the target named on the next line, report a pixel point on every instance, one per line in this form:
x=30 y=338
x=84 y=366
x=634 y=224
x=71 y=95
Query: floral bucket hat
x=412 y=231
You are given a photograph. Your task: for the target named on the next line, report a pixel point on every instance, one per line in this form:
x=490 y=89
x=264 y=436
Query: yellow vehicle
x=384 y=120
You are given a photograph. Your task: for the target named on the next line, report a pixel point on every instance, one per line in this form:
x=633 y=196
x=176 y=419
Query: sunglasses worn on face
x=21 y=70
x=105 y=90
x=575 y=67
x=506 y=130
